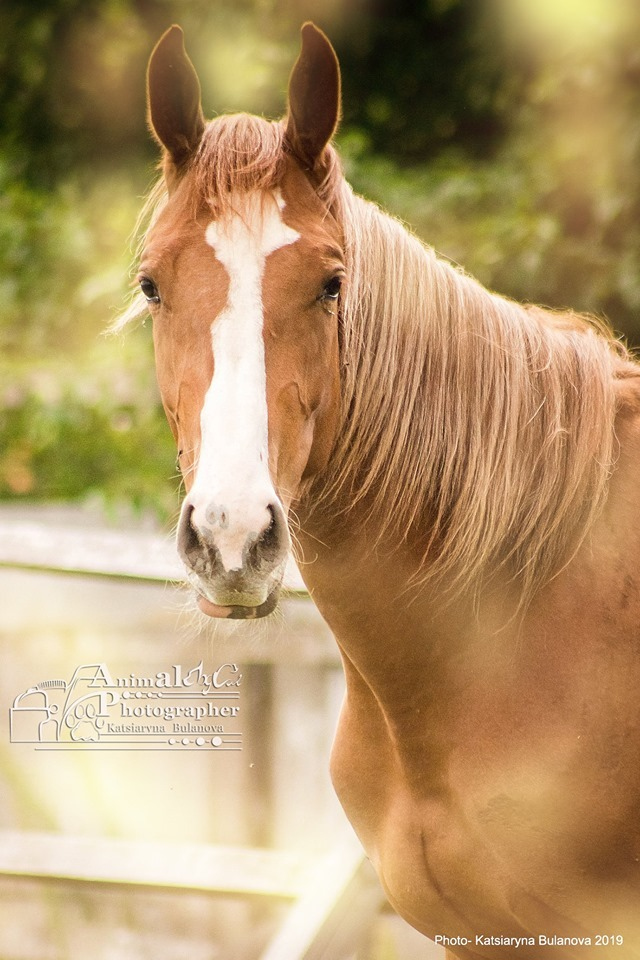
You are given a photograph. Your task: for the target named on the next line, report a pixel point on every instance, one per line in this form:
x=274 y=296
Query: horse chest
x=491 y=851
x=470 y=798
x=436 y=870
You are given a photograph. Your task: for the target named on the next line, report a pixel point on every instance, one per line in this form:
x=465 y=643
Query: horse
x=458 y=476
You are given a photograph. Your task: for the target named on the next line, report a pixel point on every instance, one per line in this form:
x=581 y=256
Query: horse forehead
x=250 y=229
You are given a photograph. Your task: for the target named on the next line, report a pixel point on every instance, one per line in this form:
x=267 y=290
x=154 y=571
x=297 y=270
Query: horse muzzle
x=235 y=566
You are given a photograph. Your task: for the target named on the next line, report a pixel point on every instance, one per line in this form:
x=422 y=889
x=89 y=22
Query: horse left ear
x=173 y=97
x=314 y=96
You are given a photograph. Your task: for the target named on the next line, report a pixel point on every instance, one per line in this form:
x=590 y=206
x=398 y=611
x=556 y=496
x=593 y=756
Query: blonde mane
x=477 y=427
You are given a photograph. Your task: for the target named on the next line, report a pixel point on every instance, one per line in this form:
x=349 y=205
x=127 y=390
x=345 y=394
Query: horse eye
x=149 y=290
x=332 y=289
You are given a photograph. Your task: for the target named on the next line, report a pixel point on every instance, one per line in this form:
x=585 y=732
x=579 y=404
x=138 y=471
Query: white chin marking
x=232 y=489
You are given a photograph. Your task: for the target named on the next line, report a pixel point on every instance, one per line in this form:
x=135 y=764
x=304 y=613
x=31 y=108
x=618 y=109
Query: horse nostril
x=269 y=537
x=188 y=542
x=269 y=545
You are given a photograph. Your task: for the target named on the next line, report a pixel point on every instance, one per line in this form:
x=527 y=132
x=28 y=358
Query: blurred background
x=506 y=132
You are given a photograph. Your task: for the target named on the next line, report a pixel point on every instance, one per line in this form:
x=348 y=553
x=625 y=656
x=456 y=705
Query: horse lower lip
x=238 y=612
x=213 y=609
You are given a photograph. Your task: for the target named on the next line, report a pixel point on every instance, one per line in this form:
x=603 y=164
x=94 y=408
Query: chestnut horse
x=460 y=476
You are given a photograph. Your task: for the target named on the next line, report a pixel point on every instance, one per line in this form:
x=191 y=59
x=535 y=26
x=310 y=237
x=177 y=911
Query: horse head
x=242 y=272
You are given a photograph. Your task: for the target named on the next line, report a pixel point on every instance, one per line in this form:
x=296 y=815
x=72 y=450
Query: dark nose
x=204 y=539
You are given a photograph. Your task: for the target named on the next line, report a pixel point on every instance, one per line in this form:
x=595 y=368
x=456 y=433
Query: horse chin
x=237 y=611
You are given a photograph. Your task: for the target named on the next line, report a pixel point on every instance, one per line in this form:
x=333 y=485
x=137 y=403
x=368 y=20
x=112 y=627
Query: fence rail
x=173 y=866
x=335 y=897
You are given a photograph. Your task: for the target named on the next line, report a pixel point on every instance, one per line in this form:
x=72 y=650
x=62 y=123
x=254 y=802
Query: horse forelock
x=241 y=152
x=238 y=153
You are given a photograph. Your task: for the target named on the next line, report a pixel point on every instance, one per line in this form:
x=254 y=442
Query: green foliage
x=420 y=76
x=512 y=146
x=63 y=259
x=80 y=415
x=71 y=83
x=96 y=433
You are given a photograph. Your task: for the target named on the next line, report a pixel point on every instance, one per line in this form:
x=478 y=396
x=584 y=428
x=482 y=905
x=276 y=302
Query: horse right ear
x=173 y=98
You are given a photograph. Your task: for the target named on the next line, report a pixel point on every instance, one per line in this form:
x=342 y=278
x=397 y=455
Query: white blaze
x=233 y=489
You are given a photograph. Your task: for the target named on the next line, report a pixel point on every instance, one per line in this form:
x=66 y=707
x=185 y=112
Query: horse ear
x=314 y=96
x=173 y=97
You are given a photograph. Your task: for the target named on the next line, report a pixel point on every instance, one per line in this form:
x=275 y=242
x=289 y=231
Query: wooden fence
x=258 y=829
